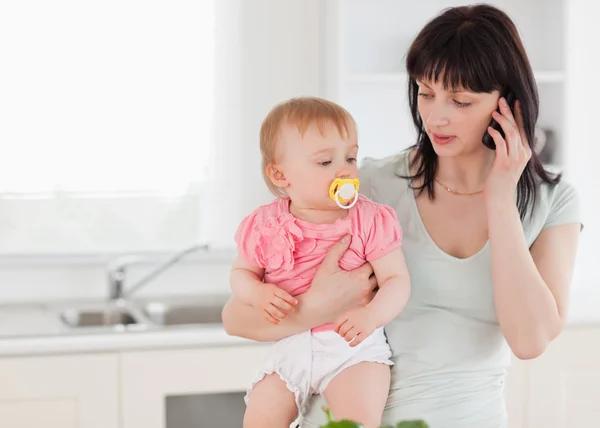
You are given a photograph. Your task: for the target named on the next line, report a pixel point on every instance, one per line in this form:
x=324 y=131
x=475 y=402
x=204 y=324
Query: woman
x=490 y=237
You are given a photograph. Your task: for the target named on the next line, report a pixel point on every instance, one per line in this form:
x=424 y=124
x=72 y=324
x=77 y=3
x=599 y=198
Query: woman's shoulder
x=555 y=204
x=377 y=175
x=559 y=203
x=393 y=164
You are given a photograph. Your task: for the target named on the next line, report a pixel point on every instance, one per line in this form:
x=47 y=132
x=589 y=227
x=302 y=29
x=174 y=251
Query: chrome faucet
x=117 y=269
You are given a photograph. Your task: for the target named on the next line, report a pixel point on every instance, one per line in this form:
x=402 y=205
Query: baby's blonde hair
x=302 y=112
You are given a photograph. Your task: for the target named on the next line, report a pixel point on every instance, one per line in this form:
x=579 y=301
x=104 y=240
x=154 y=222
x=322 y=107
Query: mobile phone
x=487 y=140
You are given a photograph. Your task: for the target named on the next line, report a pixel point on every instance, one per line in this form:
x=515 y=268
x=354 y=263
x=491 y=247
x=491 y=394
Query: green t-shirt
x=449 y=352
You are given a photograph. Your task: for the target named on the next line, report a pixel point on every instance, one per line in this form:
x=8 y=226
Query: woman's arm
x=245 y=321
x=333 y=291
x=531 y=288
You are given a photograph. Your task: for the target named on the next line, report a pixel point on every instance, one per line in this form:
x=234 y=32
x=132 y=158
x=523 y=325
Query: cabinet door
x=564 y=390
x=59 y=392
x=185 y=388
x=515 y=392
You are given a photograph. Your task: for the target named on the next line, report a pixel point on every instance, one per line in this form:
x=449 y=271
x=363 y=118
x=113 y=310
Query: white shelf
x=377 y=77
x=549 y=76
x=401 y=77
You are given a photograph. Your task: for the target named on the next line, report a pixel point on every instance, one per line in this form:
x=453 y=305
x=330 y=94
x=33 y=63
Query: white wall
x=277 y=54
x=583 y=149
x=46 y=282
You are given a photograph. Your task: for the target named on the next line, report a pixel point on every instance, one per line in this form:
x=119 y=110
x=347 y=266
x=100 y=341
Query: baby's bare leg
x=270 y=405
x=359 y=393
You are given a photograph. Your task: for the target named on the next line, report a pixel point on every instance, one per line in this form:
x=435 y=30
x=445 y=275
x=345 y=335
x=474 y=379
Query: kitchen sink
x=166 y=314
x=98 y=317
x=143 y=315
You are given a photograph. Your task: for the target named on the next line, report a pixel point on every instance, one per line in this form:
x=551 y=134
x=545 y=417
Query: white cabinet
x=560 y=389
x=78 y=391
x=515 y=393
x=564 y=384
x=181 y=388
x=208 y=384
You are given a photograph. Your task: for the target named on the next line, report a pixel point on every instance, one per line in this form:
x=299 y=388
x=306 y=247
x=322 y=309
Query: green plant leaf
x=338 y=424
x=351 y=424
x=412 y=424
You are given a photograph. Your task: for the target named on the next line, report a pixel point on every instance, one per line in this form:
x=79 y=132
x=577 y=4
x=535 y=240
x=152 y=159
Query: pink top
x=290 y=250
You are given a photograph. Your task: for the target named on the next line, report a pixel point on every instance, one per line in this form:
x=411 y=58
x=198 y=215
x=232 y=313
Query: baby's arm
x=245 y=280
x=394 y=290
x=394 y=286
x=248 y=286
x=383 y=249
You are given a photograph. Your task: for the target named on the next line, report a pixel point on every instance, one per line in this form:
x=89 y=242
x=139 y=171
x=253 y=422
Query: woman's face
x=455 y=120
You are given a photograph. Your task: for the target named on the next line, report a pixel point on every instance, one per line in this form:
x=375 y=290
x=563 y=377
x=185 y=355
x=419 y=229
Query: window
x=106 y=112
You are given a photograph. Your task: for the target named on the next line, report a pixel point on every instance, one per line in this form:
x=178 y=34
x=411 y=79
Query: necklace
x=456 y=192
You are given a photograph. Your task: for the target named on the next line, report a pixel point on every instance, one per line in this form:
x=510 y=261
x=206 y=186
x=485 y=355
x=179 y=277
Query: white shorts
x=307 y=362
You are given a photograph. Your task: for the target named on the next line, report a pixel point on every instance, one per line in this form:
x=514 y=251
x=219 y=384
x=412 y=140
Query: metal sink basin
x=180 y=313
x=142 y=315
x=98 y=317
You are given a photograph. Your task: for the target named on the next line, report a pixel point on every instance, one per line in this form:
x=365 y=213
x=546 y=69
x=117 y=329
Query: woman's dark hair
x=477 y=48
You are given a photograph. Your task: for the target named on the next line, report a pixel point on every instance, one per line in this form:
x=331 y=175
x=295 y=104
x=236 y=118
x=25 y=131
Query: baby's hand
x=274 y=303
x=357 y=324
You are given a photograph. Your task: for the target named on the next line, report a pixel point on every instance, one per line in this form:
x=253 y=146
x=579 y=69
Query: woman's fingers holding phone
x=501 y=149
x=511 y=158
x=506 y=111
x=511 y=134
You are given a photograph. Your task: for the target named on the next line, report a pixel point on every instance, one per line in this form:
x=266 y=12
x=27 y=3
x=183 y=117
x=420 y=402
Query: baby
x=309 y=148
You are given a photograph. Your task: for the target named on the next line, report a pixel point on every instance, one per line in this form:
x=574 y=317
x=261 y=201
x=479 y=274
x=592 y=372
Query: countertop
x=34 y=329
x=207 y=336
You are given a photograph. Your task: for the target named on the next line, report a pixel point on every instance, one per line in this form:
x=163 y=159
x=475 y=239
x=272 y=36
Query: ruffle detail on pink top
x=275 y=242
x=272 y=240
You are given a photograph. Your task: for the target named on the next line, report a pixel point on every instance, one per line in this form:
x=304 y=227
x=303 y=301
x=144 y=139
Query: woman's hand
x=334 y=291
x=512 y=154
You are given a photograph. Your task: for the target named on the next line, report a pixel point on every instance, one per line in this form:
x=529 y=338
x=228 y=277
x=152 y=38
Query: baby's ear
x=277 y=177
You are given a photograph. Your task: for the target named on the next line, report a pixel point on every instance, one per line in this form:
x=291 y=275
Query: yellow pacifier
x=343 y=190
